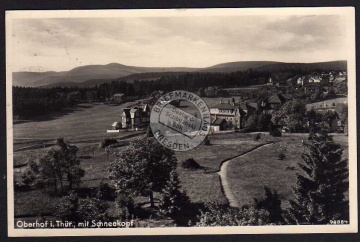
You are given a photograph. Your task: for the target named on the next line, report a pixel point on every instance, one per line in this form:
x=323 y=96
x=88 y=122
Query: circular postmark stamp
x=178 y=127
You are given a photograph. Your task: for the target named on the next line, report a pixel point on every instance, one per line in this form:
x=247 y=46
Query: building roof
x=134 y=110
x=218 y=122
x=243 y=106
x=253 y=105
x=224 y=106
x=274 y=99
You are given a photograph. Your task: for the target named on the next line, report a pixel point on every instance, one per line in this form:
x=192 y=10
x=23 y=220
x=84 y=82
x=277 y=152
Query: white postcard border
x=352 y=227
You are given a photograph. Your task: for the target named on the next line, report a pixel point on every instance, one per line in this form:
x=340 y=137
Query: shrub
x=191 y=164
x=206 y=141
x=173 y=199
x=290 y=168
x=17 y=186
x=106 y=142
x=257 y=137
x=125 y=206
x=75 y=209
x=263 y=122
x=149 y=132
x=28 y=178
x=281 y=156
x=216 y=214
x=106 y=192
x=275 y=132
x=272 y=204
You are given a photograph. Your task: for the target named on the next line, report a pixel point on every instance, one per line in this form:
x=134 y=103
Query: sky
x=60 y=44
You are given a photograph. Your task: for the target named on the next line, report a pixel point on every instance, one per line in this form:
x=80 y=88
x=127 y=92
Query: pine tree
x=149 y=132
x=320 y=192
x=272 y=204
x=173 y=199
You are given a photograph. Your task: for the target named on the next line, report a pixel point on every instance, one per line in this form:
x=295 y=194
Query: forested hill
x=147 y=76
x=91 y=75
x=84 y=73
x=30 y=102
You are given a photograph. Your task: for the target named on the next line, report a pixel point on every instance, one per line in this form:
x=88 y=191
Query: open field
x=203 y=185
x=329 y=103
x=86 y=122
x=249 y=174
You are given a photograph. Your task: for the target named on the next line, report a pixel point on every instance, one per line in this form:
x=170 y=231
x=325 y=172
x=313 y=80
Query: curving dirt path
x=223 y=176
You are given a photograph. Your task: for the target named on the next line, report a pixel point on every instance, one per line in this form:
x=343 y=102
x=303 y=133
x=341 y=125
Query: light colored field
x=86 y=122
x=203 y=185
x=249 y=174
x=329 y=103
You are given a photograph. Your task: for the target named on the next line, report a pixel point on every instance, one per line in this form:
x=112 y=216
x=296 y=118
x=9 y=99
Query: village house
x=118 y=97
x=270 y=82
x=226 y=115
x=315 y=79
x=135 y=117
x=275 y=101
x=300 y=81
x=336 y=124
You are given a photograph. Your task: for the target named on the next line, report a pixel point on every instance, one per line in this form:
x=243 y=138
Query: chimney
x=221 y=101
x=228 y=101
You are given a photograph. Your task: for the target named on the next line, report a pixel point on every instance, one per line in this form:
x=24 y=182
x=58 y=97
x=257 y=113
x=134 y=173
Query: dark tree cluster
x=30 y=102
x=59 y=169
x=185 y=81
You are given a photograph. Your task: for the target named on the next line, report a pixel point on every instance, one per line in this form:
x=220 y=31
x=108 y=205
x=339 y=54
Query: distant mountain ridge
x=96 y=74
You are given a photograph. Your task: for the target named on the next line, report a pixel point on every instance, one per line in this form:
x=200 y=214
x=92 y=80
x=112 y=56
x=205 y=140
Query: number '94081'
x=339 y=222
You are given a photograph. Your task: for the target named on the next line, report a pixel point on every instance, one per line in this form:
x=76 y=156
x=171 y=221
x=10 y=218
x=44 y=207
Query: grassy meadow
x=249 y=174
x=203 y=185
x=86 y=122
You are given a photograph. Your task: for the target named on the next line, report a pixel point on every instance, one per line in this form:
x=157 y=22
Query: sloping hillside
x=84 y=73
x=91 y=75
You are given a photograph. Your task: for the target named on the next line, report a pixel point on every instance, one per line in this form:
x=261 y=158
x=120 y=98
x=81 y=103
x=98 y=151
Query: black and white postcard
x=181 y=121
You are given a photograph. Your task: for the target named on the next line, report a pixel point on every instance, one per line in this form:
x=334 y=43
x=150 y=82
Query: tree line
x=30 y=102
